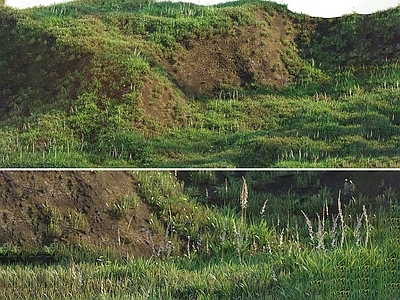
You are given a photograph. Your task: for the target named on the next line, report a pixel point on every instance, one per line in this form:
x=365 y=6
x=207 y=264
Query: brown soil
x=162 y=104
x=250 y=55
x=32 y=201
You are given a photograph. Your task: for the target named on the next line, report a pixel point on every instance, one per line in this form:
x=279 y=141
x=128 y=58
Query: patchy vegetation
x=160 y=84
x=199 y=235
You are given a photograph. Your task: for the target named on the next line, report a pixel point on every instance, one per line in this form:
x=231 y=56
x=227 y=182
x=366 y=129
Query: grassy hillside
x=225 y=235
x=245 y=83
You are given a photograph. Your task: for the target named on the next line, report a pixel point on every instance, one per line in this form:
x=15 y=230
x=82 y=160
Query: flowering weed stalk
x=244 y=194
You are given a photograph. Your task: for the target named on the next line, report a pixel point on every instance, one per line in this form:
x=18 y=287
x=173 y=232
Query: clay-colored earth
x=245 y=57
x=40 y=208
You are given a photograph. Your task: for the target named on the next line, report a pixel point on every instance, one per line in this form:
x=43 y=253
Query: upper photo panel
x=241 y=84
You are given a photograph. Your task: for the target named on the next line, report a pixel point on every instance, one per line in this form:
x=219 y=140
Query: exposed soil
x=31 y=202
x=247 y=56
x=161 y=103
x=215 y=64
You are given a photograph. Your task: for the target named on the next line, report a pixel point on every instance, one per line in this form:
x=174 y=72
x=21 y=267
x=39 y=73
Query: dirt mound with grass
x=243 y=58
x=137 y=58
x=57 y=66
x=71 y=208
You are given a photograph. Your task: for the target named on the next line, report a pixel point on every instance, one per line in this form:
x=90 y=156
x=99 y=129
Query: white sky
x=318 y=8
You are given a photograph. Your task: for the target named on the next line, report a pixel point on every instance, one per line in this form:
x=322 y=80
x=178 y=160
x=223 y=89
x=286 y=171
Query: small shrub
x=125 y=206
x=53 y=229
x=126 y=145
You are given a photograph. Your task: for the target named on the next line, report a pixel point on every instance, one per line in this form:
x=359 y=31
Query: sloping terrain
x=120 y=83
x=247 y=56
x=75 y=208
x=114 y=61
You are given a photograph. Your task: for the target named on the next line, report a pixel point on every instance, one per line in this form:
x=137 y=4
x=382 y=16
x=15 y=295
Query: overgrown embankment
x=246 y=83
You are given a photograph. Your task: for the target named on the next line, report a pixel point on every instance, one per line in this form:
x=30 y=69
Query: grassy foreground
x=235 y=243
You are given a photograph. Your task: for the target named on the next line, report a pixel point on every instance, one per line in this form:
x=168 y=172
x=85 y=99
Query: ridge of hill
x=98 y=83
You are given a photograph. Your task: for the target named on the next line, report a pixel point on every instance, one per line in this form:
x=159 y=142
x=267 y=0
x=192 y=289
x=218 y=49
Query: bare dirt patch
x=246 y=56
x=40 y=208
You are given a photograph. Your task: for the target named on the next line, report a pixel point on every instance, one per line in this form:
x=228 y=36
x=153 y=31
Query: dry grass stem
x=244 y=194
x=366 y=225
x=320 y=234
x=309 y=224
x=341 y=220
x=262 y=213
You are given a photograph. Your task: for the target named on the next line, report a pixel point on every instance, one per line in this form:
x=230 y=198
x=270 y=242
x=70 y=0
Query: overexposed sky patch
x=316 y=8
x=31 y=3
x=328 y=8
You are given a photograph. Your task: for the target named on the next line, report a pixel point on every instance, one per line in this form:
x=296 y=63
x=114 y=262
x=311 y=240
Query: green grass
x=93 y=73
x=212 y=252
x=350 y=274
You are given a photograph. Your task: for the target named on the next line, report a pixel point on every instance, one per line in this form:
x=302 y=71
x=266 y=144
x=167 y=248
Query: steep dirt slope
x=40 y=208
x=243 y=58
x=58 y=65
x=87 y=60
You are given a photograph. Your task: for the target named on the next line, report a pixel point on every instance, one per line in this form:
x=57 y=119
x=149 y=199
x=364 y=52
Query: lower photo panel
x=200 y=234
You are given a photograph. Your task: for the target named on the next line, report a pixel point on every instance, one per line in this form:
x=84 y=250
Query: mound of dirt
x=40 y=208
x=247 y=56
